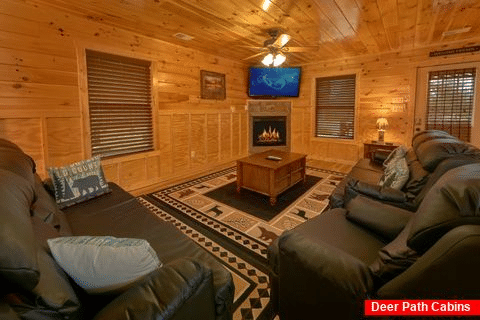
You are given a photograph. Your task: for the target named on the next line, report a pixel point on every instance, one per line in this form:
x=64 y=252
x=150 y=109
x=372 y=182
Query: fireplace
x=269 y=131
x=269 y=123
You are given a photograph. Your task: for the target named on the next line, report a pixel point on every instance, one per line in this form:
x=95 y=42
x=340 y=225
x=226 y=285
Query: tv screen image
x=274 y=82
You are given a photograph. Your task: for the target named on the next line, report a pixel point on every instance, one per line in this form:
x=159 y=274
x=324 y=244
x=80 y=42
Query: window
x=335 y=107
x=120 y=104
x=450 y=101
x=446 y=100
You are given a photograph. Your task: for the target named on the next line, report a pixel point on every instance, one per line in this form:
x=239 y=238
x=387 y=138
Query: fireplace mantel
x=268 y=108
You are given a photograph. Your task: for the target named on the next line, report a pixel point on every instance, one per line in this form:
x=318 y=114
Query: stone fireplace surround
x=268 y=108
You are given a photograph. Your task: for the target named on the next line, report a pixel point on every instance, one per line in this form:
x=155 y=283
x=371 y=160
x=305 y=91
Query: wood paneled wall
x=43 y=96
x=386 y=86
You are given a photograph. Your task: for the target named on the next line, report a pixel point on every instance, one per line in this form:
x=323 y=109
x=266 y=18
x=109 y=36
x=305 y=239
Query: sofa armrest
x=449 y=269
x=383 y=219
x=316 y=276
x=171 y=292
x=355 y=187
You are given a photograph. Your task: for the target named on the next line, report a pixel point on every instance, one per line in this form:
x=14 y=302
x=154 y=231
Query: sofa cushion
x=385 y=220
x=453 y=201
x=417 y=178
x=18 y=256
x=78 y=182
x=365 y=170
x=104 y=264
x=119 y=214
x=394 y=258
x=353 y=188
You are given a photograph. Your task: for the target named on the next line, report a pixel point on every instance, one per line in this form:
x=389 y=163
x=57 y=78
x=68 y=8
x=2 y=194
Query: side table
x=370 y=147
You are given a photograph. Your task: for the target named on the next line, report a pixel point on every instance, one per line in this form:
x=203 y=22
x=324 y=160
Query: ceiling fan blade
x=252 y=47
x=281 y=40
x=253 y=56
x=299 y=49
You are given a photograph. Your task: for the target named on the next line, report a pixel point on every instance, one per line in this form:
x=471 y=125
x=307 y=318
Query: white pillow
x=102 y=264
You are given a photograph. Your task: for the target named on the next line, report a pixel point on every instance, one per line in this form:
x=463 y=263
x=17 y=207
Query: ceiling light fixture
x=274 y=58
x=266 y=4
x=268 y=59
x=279 y=59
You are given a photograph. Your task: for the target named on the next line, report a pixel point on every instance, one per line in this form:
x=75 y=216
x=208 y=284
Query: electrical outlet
x=192 y=154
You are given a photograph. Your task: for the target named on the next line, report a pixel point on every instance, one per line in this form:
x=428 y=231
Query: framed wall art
x=212 y=85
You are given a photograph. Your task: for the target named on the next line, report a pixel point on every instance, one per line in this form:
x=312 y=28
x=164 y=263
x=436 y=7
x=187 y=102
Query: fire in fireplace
x=269 y=131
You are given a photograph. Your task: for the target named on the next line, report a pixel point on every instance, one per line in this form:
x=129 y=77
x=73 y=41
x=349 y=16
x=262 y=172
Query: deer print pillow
x=78 y=182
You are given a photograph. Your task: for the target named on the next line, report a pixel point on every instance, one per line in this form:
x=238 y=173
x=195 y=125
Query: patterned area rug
x=237 y=237
x=252 y=289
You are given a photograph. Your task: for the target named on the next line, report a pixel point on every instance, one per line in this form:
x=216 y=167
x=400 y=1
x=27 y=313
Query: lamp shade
x=268 y=59
x=279 y=59
x=382 y=124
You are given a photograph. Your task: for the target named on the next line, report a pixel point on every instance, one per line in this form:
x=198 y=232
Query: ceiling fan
x=274 y=48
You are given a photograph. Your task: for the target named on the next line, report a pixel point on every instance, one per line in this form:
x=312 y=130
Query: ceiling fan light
x=279 y=59
x=268 y=59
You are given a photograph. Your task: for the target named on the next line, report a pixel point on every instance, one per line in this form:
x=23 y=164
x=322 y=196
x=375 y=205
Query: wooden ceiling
x=340 y=28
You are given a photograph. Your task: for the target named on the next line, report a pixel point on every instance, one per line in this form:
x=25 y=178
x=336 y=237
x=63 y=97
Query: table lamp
x=382 y=125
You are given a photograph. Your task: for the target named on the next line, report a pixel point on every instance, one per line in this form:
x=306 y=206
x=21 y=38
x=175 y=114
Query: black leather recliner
x=330 y=264
x=433 y=153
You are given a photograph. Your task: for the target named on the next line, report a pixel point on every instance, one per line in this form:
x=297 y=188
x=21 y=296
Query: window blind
x=450 y=101
x=335 y=107
x=119 y=97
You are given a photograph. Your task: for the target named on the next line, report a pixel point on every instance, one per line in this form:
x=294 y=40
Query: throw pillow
x=104 y=264
x=78 y=182
x=398 y=153
x=396 y=174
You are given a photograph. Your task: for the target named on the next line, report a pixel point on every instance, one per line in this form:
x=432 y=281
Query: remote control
x=274 y=158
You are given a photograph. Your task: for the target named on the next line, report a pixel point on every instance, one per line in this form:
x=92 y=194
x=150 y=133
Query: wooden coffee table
x=270 y=177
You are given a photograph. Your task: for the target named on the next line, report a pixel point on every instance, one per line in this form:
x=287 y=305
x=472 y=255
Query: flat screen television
x=274 y=82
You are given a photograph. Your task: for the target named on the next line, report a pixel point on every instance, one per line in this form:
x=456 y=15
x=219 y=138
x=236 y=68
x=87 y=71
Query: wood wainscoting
x=43 y=96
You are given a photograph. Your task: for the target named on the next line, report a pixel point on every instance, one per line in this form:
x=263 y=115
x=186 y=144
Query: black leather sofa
x=191 y=284
x=432 y=153
x=369 y=249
